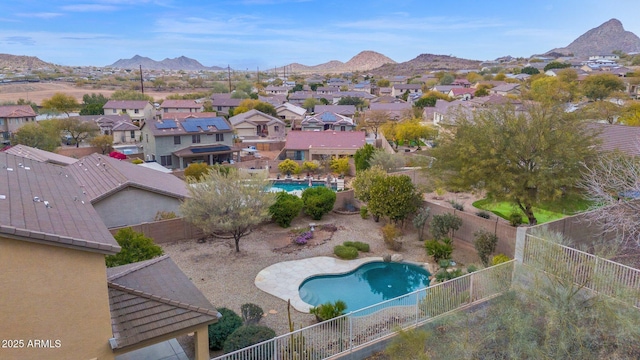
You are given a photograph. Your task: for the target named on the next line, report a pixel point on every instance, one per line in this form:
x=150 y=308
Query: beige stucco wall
x=53 y=293
x=131 y=206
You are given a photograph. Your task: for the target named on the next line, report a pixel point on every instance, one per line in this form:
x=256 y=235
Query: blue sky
x=268 y=33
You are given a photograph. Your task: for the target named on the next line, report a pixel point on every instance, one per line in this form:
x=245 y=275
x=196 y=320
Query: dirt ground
x=227 y=278
x=36 y=92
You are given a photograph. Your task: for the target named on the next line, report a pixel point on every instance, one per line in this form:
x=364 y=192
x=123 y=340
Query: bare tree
x=372 y=120
x=229 y=203
x=612 y=184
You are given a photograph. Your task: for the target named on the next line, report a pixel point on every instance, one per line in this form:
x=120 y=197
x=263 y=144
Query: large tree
x=249 y=104
x=92 y=104
x=601 y=86
x=524 y=156
x=135 y=247
x=78 y=130
x=394 y=197
x=228 y=203
x=44 y=135
x=414 y=130
x=362 y=157
x=372 y=120
x=364 y=181
x=61 y=103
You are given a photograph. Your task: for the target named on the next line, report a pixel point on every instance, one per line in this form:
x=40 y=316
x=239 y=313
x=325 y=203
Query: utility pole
x=258 y=73
x=229 y=76
x=141 y=82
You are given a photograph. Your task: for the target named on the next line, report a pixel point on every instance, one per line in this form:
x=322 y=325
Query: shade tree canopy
x=523 y=156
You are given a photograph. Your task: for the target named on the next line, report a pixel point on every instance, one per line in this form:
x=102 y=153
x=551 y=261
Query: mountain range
x=604 y=39
x=179 y=63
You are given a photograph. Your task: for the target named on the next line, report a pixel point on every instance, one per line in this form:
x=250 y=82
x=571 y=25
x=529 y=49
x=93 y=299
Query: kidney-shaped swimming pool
x=369 y=284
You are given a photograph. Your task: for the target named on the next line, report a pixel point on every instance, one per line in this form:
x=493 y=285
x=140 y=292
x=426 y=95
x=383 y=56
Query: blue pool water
x=367 y=285
x=293 y=186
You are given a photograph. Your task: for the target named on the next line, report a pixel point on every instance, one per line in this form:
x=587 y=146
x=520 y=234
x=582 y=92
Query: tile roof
x=39 y=155
x=186 y=115
x=102 y=176
x=189 y=126
x=390 y=106
x=348 y=110
x=126 y=104
x=293 y=108
x=16 y=111
x=618 y=137
x=180 y=104
x=154 y=298
x=41 y=202
x=302 y=140
x=252 y=115
x=227 y=102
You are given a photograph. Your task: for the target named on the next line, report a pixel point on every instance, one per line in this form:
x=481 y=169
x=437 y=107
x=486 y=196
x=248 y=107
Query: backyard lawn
x=545 y=212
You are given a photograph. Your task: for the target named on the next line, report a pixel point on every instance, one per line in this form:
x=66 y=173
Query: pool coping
x=283 y=279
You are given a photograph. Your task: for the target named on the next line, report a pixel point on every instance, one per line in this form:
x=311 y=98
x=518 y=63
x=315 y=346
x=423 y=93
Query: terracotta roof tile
x=13 y=111
x=302 y=140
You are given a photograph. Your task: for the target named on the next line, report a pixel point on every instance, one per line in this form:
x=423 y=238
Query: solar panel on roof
x=192 y=125
x=167 y=124
x=328 y=117
x=210 y=149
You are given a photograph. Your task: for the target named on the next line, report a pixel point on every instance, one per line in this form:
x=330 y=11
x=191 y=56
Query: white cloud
x=89 y=8
x=42 y=15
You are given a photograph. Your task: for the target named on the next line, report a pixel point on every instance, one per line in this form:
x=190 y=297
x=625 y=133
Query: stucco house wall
x=63 y=298
x=145 y=203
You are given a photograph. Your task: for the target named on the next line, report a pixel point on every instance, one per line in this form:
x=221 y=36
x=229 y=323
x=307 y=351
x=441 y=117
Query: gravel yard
x=226 y=278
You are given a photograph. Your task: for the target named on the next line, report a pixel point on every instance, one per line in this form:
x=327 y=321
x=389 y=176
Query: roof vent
x=36 y=199
x=2 y=197
x=9 y=169
x=47 y=205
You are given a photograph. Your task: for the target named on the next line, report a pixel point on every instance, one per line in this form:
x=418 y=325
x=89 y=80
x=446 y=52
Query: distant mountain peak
x=604 y=39
x=179 y=63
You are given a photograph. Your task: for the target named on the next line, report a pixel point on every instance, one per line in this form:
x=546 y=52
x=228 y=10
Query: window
x=176 y=140
x=133 y=134
x=195 y=139
x=147 y=137
x=114 y=111
x=343 y=128
x=166 y=110
x=1 y=122
x=219 y=108
x=136 y=111
x=219 y=137
x=124 y=111
x=166 y=160
x=276 y=128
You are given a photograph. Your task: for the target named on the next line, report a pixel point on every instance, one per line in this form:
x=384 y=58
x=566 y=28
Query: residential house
x=124 y=194
x=276 y=90
x=118 y=126
x=223 y=103
x=461 y=93
x=327 y=90
x=274 y=100
x=386 y=99
x=445 y=88
x=461 y=82
x=354 y=94
x=254 y=124
x=138 y=110
x=291 y=114
x=327 y=121
x=179 y=106
x=384 y=91
x=177 y=143
x=397 y=80
x=396 y=111
x=318 y=145
x=12 y=118
x=346 y=110
x=363 y=86
x=298 y=97
x=39 y=155
x=612 y=57
x=77 y=308
x=398 y=90
x=614 y=137
x=506 y=89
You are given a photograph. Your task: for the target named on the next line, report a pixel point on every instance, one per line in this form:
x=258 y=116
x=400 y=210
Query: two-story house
x=12 y=118
x=168 y=107
x=291 y=114
x=399 y=89
x=118 y=126
x=138 y=110
x=177 y=143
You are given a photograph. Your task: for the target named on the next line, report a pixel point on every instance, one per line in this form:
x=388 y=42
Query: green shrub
x=364 y=212
x=456 y=205
x=515 y=218
x=318 y=201
x=134 y=247
x=444 y=275
x=137 y=161
x=499 y=259
x=328 y=310
x=226 y=325
x=251 y=314
x=285 y=209
x=246 y=336
x=444 y=225
x=345 y=252
x=483 y=214
x=196 y=170
x=439 y=250
x=471 y=268
x=485 y=243
x=364 y=247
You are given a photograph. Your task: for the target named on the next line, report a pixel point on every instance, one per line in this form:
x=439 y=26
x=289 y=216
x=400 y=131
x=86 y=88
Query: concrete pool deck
x=283 y=279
